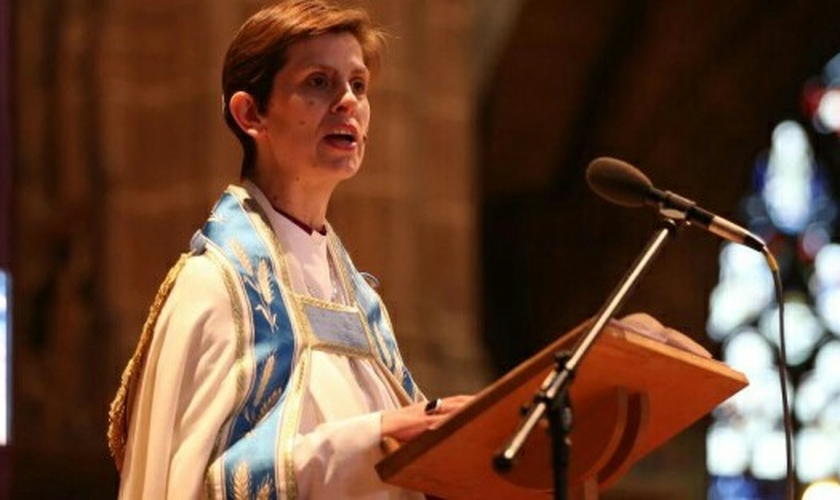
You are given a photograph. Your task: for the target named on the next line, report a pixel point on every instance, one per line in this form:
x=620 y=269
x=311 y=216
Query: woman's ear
x=243 y=109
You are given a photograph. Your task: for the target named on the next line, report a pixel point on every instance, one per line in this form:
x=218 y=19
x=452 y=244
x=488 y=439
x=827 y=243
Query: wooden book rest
x=631 y=394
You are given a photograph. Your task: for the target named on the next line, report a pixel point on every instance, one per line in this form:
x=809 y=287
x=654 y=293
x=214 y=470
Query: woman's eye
x=359 y=86
x=318 y=81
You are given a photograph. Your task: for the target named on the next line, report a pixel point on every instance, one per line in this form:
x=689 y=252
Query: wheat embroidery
x=265 y=407
x=263 y=403
x=264 y=493
x=258 y=280
x=241 y=482
x=268 y=369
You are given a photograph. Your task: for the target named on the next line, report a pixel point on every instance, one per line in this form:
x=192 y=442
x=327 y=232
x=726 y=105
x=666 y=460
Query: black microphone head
x=618 y=182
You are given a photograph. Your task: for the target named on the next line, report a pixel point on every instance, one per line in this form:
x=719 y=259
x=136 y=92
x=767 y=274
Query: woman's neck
x=304 y=204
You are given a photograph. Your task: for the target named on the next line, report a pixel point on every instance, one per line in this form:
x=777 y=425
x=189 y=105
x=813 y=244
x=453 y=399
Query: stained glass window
x=5 y=336
x=792 y=208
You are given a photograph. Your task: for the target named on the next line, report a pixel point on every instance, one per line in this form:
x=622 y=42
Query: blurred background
x=471 y=209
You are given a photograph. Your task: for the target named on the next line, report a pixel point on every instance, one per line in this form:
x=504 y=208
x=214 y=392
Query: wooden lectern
x=630 y=395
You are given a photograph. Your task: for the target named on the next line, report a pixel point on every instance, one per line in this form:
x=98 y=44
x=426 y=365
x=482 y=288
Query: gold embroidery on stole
x=118 y=414
x=229 y=277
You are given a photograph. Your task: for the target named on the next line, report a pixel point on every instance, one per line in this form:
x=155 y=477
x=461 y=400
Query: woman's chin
x=344 y=169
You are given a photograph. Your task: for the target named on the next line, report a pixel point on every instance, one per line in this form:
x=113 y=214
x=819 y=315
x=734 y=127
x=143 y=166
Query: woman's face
x=318 y=112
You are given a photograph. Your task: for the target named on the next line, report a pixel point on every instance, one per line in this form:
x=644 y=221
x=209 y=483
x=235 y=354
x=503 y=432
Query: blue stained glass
x=791 y=206
x=744 y=488
x=5 y=364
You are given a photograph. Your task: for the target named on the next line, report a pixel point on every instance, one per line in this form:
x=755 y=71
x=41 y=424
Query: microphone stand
x=552 y=397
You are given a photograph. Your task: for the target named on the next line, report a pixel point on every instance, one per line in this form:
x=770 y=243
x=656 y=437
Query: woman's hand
x=408 y=422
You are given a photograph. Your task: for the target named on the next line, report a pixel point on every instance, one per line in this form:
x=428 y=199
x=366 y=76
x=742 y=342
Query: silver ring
x=433 y=406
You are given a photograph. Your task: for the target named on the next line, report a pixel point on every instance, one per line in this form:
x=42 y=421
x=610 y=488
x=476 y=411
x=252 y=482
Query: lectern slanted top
x=630 y=395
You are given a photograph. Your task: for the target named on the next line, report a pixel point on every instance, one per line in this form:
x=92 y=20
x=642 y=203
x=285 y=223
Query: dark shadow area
x=689 y=93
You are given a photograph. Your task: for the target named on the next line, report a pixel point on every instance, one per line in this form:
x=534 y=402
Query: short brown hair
x=258 y=52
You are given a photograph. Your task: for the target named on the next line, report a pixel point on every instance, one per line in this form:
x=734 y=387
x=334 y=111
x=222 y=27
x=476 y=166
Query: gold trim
x=339 y=256
x=324 y=304
x=399 y=364
x=316 y=342
x=209 y=484
x=350 y=290
x=290 y=421
x=118 y=414
x=237 y=297
x=397 y=386
x=341 y=350
x=341 y=264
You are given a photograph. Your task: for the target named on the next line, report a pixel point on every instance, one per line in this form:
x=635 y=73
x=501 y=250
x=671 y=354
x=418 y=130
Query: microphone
x=621 y=183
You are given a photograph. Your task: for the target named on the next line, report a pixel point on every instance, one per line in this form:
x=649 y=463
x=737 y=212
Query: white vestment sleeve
x=339 y=457
x=186 y=391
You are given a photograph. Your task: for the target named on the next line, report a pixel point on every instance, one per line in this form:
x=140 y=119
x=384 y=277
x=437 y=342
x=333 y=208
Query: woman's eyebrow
x=362 y=69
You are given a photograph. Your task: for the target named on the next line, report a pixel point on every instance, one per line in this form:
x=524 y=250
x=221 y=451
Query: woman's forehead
x=332 y=49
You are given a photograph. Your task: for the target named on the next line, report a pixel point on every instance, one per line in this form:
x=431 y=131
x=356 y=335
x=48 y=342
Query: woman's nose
x=346 y=100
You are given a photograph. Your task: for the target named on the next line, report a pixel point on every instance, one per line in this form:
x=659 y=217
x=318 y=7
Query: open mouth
x=344 y=138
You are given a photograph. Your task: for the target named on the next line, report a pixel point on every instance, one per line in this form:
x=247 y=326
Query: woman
x=267 y=367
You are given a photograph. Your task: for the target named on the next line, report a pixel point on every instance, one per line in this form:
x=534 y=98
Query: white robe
x=188 y=388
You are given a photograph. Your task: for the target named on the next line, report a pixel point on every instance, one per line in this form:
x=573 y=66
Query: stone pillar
x=61 y=347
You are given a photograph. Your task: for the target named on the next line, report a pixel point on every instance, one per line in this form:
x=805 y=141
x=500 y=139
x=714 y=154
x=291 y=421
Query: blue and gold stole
x=276 y=330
